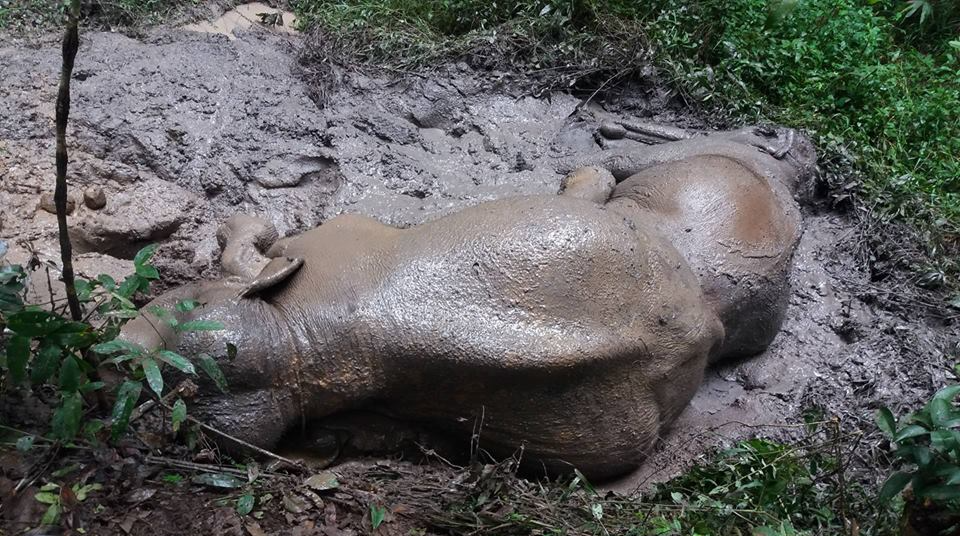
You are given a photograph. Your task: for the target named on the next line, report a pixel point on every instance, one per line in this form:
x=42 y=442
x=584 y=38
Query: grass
x=25 y=15
x=756 y=488
x=879 y=91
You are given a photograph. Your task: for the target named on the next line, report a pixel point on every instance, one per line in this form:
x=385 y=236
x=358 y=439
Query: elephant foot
x=648 y=133
x=786 y=140
x=591 y=183
x=243 y=238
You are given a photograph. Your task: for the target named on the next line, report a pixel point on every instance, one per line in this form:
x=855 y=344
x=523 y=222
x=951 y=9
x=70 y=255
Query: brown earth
x=183 y=129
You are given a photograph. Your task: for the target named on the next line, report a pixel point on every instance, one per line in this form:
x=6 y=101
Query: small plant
x=927 y=450
x=41 y=346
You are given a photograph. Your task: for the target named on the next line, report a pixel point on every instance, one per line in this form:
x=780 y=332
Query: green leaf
x=130 y=285
x=144 y=255
x=70 y=374
x=122 y=313
x=164 y=315
x=82 y=492
x=47 y=497
x=52 y=515
x=377 y=515
x=200 y=325
x=177 y=361
x=120 y=359
x=185 y=306
x=127 y=397
x=940 y=493
x=245 y=504
x=910 y=431
x=117 y=345
x=894 y=485
x=123 y=300
x=210 y=366
x=886 y=422
x=947 y=393
x=25 y=443
x=148 y=271
x=74 y=334
x=218 y=480
x=154 y=379
x=84 y=289
x=90 y=430
x=34 y=323
x=44 y=366
x=108 y=282
x=179 y=414
x=942 y=439
x=66 y=419
x=18 y=353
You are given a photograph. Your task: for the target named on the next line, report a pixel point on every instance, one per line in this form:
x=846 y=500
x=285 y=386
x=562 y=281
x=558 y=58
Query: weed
x=40 y=346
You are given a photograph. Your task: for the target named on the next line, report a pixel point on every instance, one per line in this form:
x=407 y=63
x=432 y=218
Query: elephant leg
x=243 y=238
x=591 y=183
x=259 y=417
x=649 y=133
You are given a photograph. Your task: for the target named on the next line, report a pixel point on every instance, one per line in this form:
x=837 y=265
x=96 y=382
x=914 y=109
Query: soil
x=181 y=129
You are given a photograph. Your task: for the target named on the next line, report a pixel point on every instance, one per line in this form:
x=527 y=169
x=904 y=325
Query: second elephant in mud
x=725 y=201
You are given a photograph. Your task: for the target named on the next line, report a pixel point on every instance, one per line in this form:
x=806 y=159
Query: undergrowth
x=757 y=487
x=878 y=87
x=46 y=14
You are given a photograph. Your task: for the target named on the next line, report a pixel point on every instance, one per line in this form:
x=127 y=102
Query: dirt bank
x=182 y=129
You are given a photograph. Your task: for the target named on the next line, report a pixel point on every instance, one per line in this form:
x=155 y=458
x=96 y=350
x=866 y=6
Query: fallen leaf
x=254 y=529
x=295 y=504
x=139 y=495
x=218 y=480
x=322 y=481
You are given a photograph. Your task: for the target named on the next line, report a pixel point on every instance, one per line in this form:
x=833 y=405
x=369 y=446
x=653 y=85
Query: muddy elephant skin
x=576 y=326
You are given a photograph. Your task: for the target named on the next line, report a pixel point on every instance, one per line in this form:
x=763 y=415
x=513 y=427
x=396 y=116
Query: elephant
x=577 y=325
x=726 y=202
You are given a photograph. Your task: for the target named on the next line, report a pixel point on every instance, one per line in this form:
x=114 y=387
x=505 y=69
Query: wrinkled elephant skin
x=575 y=328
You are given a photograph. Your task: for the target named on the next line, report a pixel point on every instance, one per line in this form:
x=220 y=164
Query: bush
x=40 y=346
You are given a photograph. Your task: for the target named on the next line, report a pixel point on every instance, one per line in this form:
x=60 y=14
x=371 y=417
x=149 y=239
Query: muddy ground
x=181 y=129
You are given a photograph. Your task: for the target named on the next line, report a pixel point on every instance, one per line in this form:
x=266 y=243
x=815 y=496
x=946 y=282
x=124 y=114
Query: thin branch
x=71 y=42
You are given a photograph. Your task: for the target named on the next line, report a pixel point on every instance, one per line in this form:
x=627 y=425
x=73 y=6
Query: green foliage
x=758 y=487
x=40 y=346
x=927 y=448
x=42 y=14
x=756 y=484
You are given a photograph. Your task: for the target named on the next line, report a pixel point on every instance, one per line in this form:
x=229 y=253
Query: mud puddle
x=243 y=17
x=181 y=129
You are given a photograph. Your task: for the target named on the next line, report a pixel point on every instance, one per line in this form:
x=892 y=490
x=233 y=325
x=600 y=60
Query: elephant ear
x=277 y=271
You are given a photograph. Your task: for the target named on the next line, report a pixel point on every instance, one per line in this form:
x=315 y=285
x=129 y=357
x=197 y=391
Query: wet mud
x=182 y=129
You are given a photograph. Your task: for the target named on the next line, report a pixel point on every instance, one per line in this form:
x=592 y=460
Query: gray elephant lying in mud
x=578 y=325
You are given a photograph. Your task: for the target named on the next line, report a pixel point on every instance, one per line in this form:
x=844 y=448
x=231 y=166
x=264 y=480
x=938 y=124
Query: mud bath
x=183 y=129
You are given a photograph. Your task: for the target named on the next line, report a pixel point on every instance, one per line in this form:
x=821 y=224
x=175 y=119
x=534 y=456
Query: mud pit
x=183 y=129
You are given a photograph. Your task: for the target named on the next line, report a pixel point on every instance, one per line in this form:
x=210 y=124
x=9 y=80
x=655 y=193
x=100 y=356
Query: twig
x=186 y=386
x=202 y=467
